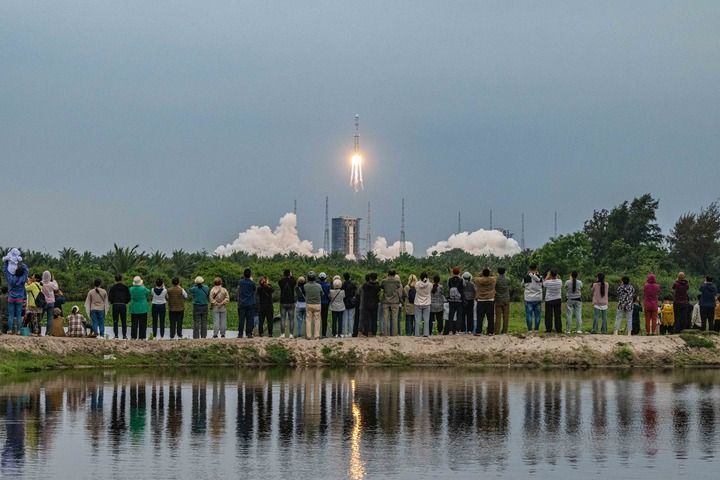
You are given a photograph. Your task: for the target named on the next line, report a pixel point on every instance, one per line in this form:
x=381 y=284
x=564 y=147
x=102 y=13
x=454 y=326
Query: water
x=372 y=423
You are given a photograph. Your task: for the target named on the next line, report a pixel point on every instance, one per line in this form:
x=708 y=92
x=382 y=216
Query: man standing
x=246 y=304
x=371 y=299
x=287 y=286
x=708 y=292
x=466 y=326
x=455 y=302
x=502 y=302
x=119 y=297
x=485 y=297
x=325 y=302
x=532 y=283
x=313 y=297
x=349 y=323
x=392 y=291
x=176 y=296
x=200 y=299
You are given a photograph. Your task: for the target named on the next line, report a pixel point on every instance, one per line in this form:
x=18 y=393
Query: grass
x=696 y=341
x=624 y=353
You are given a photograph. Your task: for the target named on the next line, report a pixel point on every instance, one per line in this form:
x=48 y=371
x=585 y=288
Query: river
x=367 y=423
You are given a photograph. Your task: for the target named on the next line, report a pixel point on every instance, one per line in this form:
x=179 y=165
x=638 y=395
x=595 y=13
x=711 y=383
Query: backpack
x=455 y=295
x=40 y=301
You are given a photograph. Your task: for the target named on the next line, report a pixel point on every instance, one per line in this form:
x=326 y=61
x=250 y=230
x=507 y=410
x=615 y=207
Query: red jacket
x=651 y=293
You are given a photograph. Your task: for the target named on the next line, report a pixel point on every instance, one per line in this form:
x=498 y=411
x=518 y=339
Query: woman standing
x=553 y=302
x=409 y=305
x=48 y=289
x=96 y=306
x=337 y=307
x=219 y=298
x=423 y=300
x=437 y=305
x=600 y=302
x=159 y=306
x=265 y=306
x=625 y=296
x=138 y=309
x=300 y=307
x=573 y=288
x=681 y=303
x=15 y=296
x=651 y=298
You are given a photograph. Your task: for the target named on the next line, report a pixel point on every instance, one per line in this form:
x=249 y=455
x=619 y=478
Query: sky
x=175 y=124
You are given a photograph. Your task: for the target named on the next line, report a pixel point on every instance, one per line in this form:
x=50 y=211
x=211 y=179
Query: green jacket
x=502 y=289
x=313 y=293
x=392 y=290
x=200 y=294
x=138 y=299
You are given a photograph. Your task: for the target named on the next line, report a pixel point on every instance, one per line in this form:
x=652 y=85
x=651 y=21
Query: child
x=31 y=321
x=13 y=259
x=636 y=310
x=3 y=310
x=667 y=316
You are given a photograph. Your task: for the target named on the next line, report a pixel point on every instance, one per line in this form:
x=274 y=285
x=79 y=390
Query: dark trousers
x=265 y=313
x=553 y=316
x=716 y=325
x=324 y=309
x=666 y=329
x=485 y=308
x=356 y=322
x=682 y=316
x=455 y=316
x=245 y=320
x=635 y=325
x=138 y=326
x=337 y=319
x=176 y=321
x=409 y=325
x=119 y=313
x=706 y=317
x=369 y=320
x=467 y=320
x=437 y=319
x=158 y=318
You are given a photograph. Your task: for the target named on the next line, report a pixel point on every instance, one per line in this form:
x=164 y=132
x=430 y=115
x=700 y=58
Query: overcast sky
x=176 y=124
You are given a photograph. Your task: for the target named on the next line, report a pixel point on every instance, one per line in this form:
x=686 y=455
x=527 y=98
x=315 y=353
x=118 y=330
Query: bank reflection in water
x=357 y=424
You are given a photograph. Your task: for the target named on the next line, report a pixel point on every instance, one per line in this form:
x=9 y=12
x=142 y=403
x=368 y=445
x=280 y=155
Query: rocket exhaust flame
x=356 y=176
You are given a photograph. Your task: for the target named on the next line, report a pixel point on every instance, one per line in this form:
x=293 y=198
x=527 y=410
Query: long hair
x=574 y=275
x=601 y=280
x=436 y=283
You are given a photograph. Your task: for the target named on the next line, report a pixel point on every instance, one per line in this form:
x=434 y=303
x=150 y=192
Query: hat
x=137 y=280
x=311 y=275
x=199 y=280
x=75 y=309
x=467 y=276
x=456 y=271
x=323 y=275
x=57 y=312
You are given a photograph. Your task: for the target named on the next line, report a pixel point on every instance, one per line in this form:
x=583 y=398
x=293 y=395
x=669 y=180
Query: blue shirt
x=325 y=299
x=246 y=292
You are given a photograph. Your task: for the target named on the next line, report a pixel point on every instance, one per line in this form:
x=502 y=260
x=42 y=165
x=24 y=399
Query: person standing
x=485 y=301
x=158 y=307
x=337 y=307
x=533 y=284
x=423 y=301
x=325 y=303
x=287 y=286
x=573 y=289
x=32 y=290
x=219 y=298
x=625 y=296
x=96 y=306
x=48 y=289
x=600 y=290
x=553 y=302
x=392 y=295
x=409 y=305
x=708 y=292
x=636 y=310
x=200 y=294
x=681 y=303
x=313 y=298
x=651 y=298
x=455 y=303
x=3 y=310
x=176 y=297
x=468 y=323
x=119 y=297
x=351 y=300
x=437 y=305
x=300 y=307
x=15 y=296
x=138 y=309
x=265 y=306
x=371 y=300
x=246 y=304
x=502 y=302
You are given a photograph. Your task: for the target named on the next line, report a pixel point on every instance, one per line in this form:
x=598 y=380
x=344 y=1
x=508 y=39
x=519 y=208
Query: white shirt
x=160 y=299
x=553 y=289
x=577 y=294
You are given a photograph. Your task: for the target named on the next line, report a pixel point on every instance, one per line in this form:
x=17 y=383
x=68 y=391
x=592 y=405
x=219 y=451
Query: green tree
x=695 y=240
x=565 y=254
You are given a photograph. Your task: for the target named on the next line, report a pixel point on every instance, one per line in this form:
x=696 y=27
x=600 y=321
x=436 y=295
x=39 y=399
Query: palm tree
x=121 y=260
x=183 y=263
x=69 y=259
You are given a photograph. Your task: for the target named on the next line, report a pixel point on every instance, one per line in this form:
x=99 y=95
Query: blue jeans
x=300 y=313
x=532 y=309
x=574 y=310
x=598 y=314
x=49 y=314
x=422 y=314
x=409 y=325
x=246 y=322
x=14 y=316
x=98 y=321
x=348 y=318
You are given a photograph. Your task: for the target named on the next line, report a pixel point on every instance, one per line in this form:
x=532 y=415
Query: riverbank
x=22 y=354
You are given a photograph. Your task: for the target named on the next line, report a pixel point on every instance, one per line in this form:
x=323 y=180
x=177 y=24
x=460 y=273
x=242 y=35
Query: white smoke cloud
x=264 y=242
x=479 y=242
x=388 y=252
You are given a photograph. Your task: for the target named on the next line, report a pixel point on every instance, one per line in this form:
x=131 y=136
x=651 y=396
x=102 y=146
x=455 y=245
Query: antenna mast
x=555 y=236
x=403 y=250
x=522 y=231
x=326 y=239
x=491 y=225
x=368 y=237
x=459 y=223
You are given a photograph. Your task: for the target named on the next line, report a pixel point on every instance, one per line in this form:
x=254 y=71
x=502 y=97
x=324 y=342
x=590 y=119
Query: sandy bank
x=23 y=353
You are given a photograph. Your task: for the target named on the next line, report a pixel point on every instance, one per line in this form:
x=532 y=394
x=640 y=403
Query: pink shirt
x=598 y=299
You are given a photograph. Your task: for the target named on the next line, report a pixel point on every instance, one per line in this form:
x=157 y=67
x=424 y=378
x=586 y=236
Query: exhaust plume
x=480 y=242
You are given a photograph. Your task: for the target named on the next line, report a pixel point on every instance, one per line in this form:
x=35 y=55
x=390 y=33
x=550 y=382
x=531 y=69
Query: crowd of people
x=317 y=306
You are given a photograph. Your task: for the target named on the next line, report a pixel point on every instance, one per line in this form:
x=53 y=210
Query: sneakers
x=291 y=336
x=282 y=335
x=579 y=331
